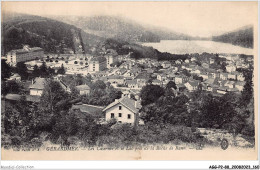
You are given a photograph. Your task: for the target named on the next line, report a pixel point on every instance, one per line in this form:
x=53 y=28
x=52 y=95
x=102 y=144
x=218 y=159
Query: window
x=128 y=116
x=119 y=114
x=120 y=107
x=112 y=115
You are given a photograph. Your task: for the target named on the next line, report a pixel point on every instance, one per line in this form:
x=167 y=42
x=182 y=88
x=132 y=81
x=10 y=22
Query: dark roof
x=16 y=97
x=143 y=75
x=87 y=108
x=100 y=59
x=194 y=83
x=83 y=87
x=115 y=77
x=21 y=51
x=134 y=81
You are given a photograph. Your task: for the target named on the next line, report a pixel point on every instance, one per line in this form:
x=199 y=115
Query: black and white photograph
x=129 y=80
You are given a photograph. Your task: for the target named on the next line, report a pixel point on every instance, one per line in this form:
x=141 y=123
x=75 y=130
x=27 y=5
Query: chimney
x=33 y=81
x=137 y=105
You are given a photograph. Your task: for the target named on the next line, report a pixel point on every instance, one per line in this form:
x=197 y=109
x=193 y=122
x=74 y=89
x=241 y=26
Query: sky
x=202 y=19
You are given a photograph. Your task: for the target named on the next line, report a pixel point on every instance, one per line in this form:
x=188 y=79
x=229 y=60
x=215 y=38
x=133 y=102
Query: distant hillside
x=138 y=51
x=242 y=37
x=53 y=36
x=120 y=28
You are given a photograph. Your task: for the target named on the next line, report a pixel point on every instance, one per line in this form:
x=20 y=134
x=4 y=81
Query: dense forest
x=243 y=37
x=51 y=35
x=138 y=51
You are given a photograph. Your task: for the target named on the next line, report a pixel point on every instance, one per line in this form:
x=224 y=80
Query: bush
x=248 y=130
x=16 y=140
x=167 y=134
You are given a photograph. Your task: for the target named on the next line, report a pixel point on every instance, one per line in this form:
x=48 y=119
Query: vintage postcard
x=129 y=80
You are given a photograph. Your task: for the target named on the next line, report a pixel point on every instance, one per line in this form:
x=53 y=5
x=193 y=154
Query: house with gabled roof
x=115 y=79
x=230 y=84
x=230 y=68
x=166 y=64
x=204 y=75
x=121 y=71
x=192 y=85
x=157 y=82
x=131 y=83
x=83 y=89
x=180 y=79
x=240 y=85
x=37 y=86
x=223 y=76
x=124 y=110
x=179 y=61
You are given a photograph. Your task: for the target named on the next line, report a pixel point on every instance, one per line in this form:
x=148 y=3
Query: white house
x=223 y=76
x=37 y=86
x=240 y=77
x=192 y=85
x=240 y=85
x=181 y=79
x=232 y=76
x=166 y=64
x=230 y=68
x=230 y=84
x=205 y=76
x=187 y=61
x=15 y=77
x=83 y=89
x=124 y=110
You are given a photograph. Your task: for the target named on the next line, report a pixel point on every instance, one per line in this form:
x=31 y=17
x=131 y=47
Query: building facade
x=25 y=54
x=124 y=110
x=97 y=64
x=110 y=59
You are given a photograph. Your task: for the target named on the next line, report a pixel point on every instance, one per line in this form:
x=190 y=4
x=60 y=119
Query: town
x=111 y=87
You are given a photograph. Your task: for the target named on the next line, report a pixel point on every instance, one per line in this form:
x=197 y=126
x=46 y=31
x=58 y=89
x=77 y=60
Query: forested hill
x=242 y=37
x=51 y=35
x=120 y=28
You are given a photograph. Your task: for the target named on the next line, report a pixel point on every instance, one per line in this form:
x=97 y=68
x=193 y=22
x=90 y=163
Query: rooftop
x=127 y=102
x=38 y=83
x=27 y=50
x=99 y=59
x=83 y=87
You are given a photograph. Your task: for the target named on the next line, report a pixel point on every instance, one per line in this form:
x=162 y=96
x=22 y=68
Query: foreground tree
x=22 y=70
x=6 y=70
x=53 y=100
x=36 y=71
x=61 y=70
x=151 y=93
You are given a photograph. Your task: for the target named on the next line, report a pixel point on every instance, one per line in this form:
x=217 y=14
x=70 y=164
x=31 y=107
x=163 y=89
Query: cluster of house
x=130 y=75
x=133 y=74
x=124 y=110
x=37 y=86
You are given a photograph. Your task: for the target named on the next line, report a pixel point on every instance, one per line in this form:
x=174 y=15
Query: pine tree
x=61 y=70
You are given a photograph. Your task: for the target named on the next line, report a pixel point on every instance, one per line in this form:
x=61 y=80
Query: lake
x=193 y=46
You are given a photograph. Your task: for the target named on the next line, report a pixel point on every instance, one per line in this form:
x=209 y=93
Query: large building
x=97 y=64
x=110 y=59
x=25 y=54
